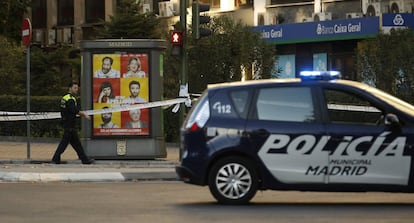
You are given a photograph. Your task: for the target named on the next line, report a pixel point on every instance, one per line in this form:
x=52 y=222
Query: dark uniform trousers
x=70 y=135
x=69 y=110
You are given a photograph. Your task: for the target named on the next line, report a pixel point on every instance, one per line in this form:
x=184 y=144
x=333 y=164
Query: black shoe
x=89 y=161
x=55 y=162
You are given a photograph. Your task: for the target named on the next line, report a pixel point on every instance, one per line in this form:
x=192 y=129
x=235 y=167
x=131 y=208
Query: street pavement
x=17 y=166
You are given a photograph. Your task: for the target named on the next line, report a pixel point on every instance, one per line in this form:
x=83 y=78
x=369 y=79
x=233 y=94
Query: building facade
x=317 y=35
x=324 y=34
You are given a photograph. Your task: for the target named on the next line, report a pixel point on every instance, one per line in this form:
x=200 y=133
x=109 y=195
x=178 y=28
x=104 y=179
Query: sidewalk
x=15 y=167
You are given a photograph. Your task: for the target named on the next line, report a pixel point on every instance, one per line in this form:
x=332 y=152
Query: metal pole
x=28 y=98
x=183 y=26
x=183 y=73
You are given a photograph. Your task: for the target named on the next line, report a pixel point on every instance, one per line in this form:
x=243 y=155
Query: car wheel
x=233 y=180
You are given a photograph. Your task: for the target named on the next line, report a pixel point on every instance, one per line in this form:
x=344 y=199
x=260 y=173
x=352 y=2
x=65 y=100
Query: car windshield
x=394 y=101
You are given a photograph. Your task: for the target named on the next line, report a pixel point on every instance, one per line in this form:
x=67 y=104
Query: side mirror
x=392 y=120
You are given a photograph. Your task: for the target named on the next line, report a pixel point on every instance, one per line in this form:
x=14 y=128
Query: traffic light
x=176 y=40
x=199 y=20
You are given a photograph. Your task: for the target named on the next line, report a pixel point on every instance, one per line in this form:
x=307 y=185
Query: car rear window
x=232 y=103
x=240 y=100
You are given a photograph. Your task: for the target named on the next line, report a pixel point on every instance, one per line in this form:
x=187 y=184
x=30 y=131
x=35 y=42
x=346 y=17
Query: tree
x=234 y=51
x=387 y=62
x=51 y=71
x=11 y=17
x=231 y=50
x=12 y=68
x=130 y=23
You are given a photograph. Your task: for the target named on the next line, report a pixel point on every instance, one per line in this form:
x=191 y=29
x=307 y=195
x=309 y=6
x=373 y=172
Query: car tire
x=233 y=180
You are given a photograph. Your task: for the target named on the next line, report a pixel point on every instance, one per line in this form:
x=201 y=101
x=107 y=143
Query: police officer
x=69 y=109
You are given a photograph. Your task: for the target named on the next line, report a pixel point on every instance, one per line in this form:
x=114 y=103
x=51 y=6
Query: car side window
x=292 y=104
x=240 y=101
x=346 y=108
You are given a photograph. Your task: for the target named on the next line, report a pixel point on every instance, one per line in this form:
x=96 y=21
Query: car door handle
x=261 y=132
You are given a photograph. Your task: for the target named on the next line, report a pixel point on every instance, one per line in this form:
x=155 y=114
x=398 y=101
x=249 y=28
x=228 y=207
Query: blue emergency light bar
x=319 y=75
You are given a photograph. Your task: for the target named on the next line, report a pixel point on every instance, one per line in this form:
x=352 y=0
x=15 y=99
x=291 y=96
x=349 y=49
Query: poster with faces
x=120 y=80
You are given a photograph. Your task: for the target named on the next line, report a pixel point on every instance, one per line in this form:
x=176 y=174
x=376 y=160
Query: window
x=155 y=6
x=65 y=13
x=94 y=11
x=240 y=101
x=276 y=2
x=293 y=104
x=212 y=3
x=215 y=3
x=39 y=14
x=239 y=3
x=346 y=108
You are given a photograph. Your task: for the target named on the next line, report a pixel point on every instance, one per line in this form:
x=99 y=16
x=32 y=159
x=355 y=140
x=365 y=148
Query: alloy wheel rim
x=233 y=181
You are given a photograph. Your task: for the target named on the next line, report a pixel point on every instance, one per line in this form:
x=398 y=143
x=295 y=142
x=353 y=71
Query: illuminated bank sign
x=397 y=21
x=357 y=28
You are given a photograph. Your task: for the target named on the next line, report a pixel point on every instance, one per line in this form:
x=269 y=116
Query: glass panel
x=285 y=104
x=111 y=90
x=287 y=64
x=276 y=2
x=65 y=12
x=215 y=3
x=239 y=3
x=39 y=14
x=347 y=108
x=240 y=99
x=94 y=11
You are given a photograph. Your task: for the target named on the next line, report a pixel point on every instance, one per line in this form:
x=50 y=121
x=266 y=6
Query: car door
x=284 y=128
x=362 y=149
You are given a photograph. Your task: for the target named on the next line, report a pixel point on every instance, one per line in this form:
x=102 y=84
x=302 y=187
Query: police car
x=314 y=133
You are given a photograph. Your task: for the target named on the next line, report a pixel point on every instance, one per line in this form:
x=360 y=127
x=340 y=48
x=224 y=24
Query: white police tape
x=20 y=116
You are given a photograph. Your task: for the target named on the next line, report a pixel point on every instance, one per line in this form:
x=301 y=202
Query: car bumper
x=187 y=176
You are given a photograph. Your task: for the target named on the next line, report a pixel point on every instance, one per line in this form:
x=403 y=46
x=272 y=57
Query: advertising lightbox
x=120 y=74
x=121 y=79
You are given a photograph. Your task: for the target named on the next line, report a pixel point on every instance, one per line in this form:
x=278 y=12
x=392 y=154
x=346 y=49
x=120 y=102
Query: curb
x=74 y=171
x=87 y=176
x=56 y=177
x=107 y=163
x=41 y=169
